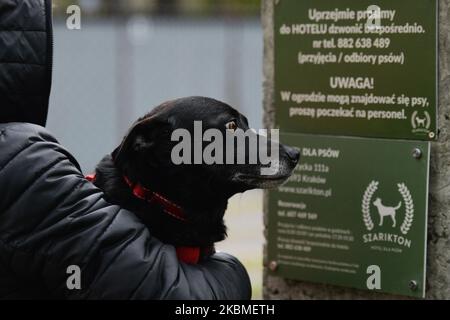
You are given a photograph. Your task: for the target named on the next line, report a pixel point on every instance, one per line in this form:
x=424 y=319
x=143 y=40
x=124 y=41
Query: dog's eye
x=231 y=126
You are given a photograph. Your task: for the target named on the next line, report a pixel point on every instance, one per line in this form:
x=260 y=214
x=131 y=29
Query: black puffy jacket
x=51 y=218
x=26 y=42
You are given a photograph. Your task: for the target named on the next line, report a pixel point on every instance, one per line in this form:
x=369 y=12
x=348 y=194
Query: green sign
x=357 y=67
x=353 y=214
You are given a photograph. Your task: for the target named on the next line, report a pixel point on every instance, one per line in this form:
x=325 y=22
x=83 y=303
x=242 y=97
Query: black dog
x=182 y=204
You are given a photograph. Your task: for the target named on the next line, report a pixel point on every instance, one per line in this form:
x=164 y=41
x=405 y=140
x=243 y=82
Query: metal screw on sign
x=413 y=285
x=417 y=153
x=273 y=265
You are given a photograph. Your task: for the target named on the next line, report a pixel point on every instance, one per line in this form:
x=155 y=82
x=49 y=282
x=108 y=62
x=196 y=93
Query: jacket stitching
x=160 y=248
x=117 y=255
x=26 y=146
x=172 y=285
x=23 y=63
x=36 y=177
x=68 y=194
x=19 y=30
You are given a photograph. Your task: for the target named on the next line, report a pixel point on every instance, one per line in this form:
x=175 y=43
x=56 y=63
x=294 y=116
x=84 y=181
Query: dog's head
x=377 y=202
x=183 y=149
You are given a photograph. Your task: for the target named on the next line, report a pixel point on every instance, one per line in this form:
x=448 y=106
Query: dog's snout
x=293 y=154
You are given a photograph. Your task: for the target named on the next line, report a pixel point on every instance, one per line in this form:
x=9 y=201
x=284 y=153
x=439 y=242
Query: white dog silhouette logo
x=384 y=211
x=421 y=122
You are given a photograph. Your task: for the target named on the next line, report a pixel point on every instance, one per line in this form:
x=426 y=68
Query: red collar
x=149 y=196
x=190 y=255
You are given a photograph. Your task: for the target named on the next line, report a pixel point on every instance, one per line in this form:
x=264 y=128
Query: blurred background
x=131 y=55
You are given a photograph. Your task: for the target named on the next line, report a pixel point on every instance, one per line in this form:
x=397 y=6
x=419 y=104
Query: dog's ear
x=141 y=137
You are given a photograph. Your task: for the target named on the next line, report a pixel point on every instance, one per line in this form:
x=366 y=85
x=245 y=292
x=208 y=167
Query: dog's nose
x=293 y=154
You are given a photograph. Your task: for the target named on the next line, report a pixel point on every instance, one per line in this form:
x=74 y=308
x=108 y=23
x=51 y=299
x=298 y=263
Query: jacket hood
x=26 y=54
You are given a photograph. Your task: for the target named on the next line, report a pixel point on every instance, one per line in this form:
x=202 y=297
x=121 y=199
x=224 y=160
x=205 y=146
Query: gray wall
x=111 y=72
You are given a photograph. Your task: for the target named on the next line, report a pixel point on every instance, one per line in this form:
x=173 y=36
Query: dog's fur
x=201 y=190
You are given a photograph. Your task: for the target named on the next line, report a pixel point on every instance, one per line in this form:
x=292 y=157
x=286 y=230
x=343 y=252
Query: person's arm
x=52 y=218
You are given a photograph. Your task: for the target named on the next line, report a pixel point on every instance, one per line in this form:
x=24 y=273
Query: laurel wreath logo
x=407 y=199
x=409 y=205
x=373 y=186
